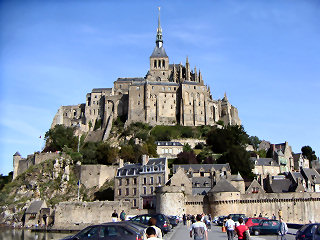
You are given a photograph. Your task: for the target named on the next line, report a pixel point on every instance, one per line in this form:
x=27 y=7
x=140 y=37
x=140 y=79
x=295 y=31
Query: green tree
x=221 y=139
x=88 y=152
x=60 y=136
x=186 y=158
x=254 y=141
x=105 y=154
x=239 y=160
x=308 y=152
x=187 y=148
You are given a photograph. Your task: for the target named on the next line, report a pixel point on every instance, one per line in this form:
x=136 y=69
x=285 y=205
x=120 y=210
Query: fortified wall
x=77 y=215
x=20 y=164
x=296 y=207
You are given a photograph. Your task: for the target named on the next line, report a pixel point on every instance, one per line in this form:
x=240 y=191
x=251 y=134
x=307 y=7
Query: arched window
x=159 y=63
x=163 y=63
x=155 y=64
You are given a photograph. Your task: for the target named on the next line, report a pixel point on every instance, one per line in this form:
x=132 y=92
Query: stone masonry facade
x=169 y=94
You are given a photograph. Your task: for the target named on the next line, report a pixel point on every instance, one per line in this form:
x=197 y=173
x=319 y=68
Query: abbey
x=169 y=94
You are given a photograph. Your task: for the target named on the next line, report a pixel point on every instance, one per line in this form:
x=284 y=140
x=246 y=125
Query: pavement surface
x=181 y=232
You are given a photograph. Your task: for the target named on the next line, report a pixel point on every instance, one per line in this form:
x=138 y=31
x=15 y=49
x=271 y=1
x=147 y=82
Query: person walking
x=230 y=225
x=152 y=223
x=199 y=229
x=283 y=229
x=184 y=218
x=114 y=216
x=123 y=215
x=242 y=230
x=274 y=217
x=151 y=233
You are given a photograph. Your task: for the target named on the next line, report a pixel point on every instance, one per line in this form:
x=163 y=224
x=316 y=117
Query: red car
x=254 y=221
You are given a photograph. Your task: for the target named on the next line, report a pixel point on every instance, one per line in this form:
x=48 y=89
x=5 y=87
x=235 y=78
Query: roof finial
x=159 y=41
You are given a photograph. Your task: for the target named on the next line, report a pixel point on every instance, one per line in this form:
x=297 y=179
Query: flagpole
x=79 y=190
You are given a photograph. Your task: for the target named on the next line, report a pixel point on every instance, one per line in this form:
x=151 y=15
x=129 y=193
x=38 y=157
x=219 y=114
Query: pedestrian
x=193 y=219
x=199 y=229
x=274 y=217
x=152 y=223
x=230 y=225
x=114 y=216
x=283 y=229
x=280 y=214
x=151 y=233
x=242 y=230
x=188 y=220
x=123 y=215
x=184 y=218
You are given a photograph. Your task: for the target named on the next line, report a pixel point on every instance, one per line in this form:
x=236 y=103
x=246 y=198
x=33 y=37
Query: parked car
x=235 y=216
x=162 y=221
x=221 y=220
x=215 y=220
x=173 y=221
x=250 y=222
x=316 y=235
x=110 y=231
x=307 y=231
x=266 y=227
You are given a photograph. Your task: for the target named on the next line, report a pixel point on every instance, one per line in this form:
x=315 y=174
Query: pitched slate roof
x=200 y=191
x=158 y=52
x=236 y=177
x=280 y=185
x=296 y=175
x=156 y=161
x=197 y=167
x=99 y=90
x=224 y=186
x=136 y=79
x=35 y=207
x=311 y=174
x=265 y=162
x=201 y=182
x=17 y=154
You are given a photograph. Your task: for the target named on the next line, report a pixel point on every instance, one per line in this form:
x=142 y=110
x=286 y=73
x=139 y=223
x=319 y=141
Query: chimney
x=145 y=159
x=120 y=163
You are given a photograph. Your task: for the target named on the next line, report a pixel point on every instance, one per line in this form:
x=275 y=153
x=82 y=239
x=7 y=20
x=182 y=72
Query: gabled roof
x=201 y=181
x=311 y=174
x=280 y=185
x=136 y=79
x=158 y=52
x=296 y=176
x=200 y=191
x=100 y=90
x=236 y=177
x=265 y=162
x=224 y=186
x=255 y=184
x=35 y=207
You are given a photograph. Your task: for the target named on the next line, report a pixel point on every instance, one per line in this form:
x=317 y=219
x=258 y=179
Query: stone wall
x=296 y=207
x=77 y=215
x=95 y=175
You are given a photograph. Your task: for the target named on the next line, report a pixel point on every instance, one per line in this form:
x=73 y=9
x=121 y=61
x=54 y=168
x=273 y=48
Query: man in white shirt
x=230 y=228
x=151 y=234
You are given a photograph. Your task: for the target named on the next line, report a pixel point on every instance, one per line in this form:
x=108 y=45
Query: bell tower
x=159 y=61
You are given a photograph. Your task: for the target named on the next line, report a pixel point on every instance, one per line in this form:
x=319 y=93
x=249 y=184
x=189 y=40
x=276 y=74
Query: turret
x=187 y=70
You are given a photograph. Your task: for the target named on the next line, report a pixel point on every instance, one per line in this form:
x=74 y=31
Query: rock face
x=51 y=180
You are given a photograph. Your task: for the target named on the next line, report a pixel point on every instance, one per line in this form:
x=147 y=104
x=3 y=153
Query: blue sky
x=264 y=54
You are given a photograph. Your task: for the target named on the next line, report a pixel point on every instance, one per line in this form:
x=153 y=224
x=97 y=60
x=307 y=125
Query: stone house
x=311 y=179
x=300 y=161
x=265 y=166
x=136 y=183
x=283 y=154
x=34 y=215
x=168 y=149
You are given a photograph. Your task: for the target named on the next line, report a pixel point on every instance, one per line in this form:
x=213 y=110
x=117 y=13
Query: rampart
x=77 y=215
x=295 y=207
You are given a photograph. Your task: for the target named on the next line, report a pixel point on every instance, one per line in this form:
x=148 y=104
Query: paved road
x=181 y=232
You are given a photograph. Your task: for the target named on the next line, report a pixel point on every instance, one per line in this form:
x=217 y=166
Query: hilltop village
x=169 y=94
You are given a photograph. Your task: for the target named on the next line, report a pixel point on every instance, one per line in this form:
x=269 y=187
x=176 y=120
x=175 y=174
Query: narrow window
x=151 y=190
x=134 y=202
x=151 y=180
x=119 y=192
x=144 y=181
x=127 y=181
x=163 y=63
x=127 y=191
x=159 y=179
x=155 y=64
x=120 y=182
x=144 y=190
x=134 y=181
x=159 y=63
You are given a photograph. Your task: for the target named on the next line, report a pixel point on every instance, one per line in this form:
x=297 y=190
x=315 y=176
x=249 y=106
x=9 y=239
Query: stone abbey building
x=169 y=94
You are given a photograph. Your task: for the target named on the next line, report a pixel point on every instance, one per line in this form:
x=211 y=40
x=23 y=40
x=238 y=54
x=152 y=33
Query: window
x=119 y=192
x=94 y=102
x=134 y=181
x=127 y=191
x=134 y=191
x=159 y=179
x=144 y=190
x=120 y=182
x=127 y=181
x=202 y=174
x=163 y=64
x=159 y=63
x=151 y=190
x=155 y=64
x=151 y=180
x=144 y=181
x=138 y=102
x=134 y=202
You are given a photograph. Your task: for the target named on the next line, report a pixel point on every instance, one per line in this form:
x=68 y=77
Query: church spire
x=159 y=40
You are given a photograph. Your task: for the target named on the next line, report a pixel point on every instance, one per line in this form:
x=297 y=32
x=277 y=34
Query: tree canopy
x=59 y=137
x=308 y=152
